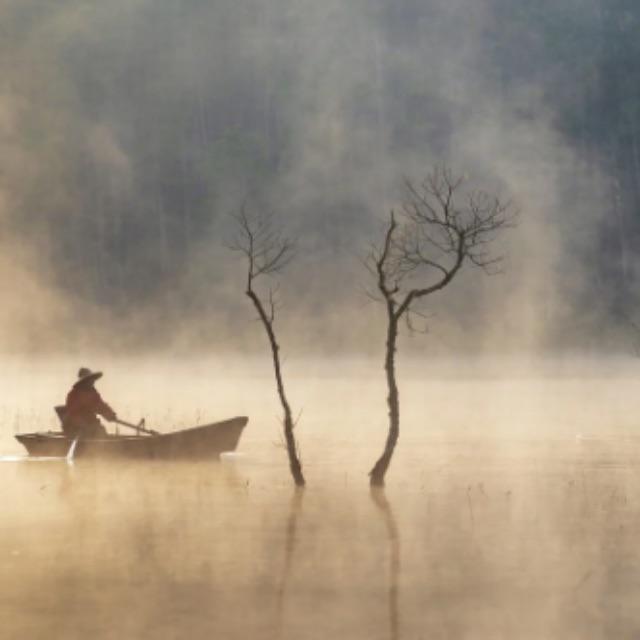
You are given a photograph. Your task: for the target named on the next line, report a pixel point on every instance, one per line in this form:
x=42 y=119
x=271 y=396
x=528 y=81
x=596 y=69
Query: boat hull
x=203 y=442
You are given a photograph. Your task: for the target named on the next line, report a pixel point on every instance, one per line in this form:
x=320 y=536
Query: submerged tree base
x=376 y=475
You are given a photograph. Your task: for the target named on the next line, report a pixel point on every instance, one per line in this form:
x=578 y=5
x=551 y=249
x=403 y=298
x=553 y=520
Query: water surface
x=511 y=510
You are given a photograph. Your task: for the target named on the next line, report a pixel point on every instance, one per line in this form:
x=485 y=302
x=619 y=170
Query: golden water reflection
x=511 y=514
x=168 y=551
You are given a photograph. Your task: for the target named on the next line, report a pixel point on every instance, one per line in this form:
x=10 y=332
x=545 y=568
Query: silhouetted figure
x=83 y=407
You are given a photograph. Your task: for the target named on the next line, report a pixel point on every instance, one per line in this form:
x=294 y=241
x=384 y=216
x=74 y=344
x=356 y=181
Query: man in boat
x=83 y=407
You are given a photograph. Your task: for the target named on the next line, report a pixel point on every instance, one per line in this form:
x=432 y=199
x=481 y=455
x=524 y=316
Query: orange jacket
x=84 y=405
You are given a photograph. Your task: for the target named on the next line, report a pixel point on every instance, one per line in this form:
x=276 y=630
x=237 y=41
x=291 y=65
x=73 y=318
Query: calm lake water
x=512 y=507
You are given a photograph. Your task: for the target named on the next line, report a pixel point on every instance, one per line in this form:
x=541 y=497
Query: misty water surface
x=510 y=511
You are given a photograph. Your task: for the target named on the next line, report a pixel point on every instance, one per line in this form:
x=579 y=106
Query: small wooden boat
x=203 y=442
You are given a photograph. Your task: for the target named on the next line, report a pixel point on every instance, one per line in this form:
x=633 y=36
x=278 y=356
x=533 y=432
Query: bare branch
x=268 y=251
x=410 y=321
x=442 y=227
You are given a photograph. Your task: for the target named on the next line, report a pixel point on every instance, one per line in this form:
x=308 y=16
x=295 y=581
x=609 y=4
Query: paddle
x=72 y=450
x=137 y=427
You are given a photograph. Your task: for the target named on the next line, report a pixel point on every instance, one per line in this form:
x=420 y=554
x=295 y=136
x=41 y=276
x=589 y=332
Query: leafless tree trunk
x=442 y=226
x=268 y=253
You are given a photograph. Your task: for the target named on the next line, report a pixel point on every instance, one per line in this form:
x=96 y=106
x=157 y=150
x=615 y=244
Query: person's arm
x=103 y=409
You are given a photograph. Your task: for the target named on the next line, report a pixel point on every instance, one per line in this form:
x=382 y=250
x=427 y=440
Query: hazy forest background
x=129 y=130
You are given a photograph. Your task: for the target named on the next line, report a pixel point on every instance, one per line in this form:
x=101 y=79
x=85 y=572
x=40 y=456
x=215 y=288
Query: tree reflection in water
x=295 y=508
x=380 y=500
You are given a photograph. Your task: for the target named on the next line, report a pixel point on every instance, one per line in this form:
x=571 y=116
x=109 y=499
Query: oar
x=72 y=450
x=137 y=427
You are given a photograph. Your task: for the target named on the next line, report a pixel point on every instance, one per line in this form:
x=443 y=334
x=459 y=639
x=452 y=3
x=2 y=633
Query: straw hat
x=85 y=375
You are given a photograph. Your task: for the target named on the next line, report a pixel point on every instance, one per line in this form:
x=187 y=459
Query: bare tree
x=441 y=226
x=268 y=253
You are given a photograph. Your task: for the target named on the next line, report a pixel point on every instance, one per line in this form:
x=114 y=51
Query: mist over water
x=130 y=131
x=509 y=510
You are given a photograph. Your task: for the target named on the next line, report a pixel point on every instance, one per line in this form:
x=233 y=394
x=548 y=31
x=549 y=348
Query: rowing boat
x=203 y=442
